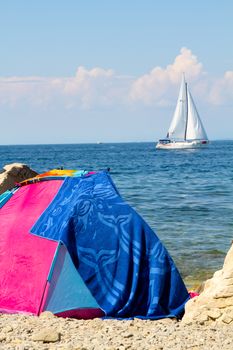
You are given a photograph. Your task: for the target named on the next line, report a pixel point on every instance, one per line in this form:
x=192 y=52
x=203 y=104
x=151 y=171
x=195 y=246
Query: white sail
x=179 y=120
x=195 y=129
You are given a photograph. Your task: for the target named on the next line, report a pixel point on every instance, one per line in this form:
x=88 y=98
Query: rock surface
x=215 y=303
x=14 y=173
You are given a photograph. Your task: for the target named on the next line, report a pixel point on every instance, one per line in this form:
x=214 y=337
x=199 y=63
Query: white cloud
x=87 y=89
x=157 y=86
x=33 y=90
x=99 y=87
x=94 y=87
x=221 y=91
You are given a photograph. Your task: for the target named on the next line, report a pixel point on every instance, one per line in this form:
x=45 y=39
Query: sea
x=186 y=196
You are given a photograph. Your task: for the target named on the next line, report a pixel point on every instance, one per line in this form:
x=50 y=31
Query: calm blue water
x=186 y=196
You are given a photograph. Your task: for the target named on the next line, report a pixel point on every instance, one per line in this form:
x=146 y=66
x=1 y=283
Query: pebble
x=46 y=335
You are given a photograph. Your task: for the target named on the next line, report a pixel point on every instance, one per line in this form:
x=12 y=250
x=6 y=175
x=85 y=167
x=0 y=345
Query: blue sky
x=87 y=71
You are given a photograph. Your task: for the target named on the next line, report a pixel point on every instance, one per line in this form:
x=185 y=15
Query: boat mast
x=186 y=100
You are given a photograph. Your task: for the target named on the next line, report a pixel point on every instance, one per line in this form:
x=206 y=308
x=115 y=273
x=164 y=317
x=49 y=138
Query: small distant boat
x=186 y=129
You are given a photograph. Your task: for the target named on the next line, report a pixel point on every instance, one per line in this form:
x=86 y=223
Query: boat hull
x=182 y=144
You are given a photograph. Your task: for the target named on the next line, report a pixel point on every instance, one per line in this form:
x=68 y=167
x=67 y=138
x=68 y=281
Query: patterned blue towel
x=121 y=260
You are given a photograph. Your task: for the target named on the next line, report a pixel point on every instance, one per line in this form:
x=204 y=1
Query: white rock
x=47 y=314
x=215 y=303
x=46 y=335
x=214 y=313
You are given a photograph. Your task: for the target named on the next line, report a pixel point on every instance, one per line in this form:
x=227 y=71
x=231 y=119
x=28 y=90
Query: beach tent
x=71 y=245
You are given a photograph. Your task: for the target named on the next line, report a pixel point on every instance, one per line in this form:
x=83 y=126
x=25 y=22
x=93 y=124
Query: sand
x=49 y=332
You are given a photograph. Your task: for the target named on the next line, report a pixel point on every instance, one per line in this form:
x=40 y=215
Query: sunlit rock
x=215 y=303
x=14 y=173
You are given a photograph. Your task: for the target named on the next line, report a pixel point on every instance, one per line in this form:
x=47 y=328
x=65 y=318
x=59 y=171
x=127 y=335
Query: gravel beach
x=207 y=324
x=49 y=332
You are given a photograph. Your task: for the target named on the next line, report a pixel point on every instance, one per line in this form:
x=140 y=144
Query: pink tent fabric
x=29 y=258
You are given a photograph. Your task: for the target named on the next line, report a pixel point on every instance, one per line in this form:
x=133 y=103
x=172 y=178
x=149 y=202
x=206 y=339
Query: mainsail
x=179 y=120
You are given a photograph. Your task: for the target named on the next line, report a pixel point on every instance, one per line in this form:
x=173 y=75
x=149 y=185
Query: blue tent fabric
x=5 y=196
x=121 y=260
x=67 y=291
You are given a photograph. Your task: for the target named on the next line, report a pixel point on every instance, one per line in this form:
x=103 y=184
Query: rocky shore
x=207 y=322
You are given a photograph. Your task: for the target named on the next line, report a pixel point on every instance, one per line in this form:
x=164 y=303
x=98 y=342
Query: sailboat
x=186 y=129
